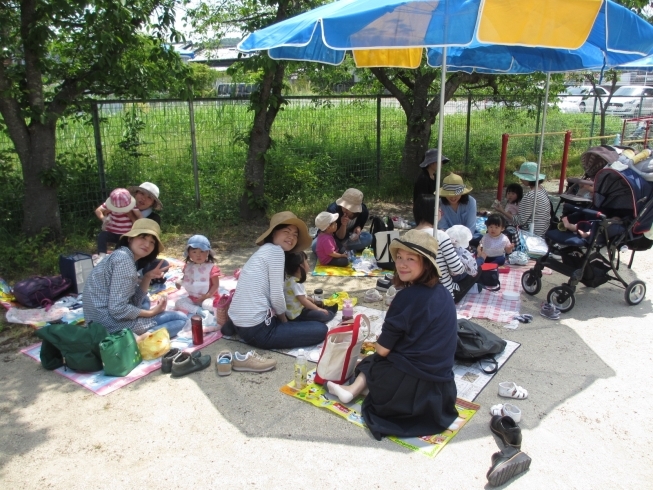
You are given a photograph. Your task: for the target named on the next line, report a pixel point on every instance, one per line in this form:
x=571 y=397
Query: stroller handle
x=590 y=213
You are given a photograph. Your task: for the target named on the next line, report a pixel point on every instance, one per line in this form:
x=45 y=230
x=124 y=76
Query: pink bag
x=221 y=305
x=341 y=349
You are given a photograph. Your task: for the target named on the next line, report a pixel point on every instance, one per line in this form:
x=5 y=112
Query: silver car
x=581 y=99
x=631 y=101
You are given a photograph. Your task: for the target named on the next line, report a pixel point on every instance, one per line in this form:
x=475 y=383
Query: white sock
x=343 y=395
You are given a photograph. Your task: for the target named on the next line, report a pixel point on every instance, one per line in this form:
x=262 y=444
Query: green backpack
x=73 y=346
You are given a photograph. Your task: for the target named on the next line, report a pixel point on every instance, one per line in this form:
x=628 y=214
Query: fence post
x=193 y=146
x=502 y=164
x=98 y=148
x=467 y=130
x=537 y=122
x=378 y=140
x=565 y=158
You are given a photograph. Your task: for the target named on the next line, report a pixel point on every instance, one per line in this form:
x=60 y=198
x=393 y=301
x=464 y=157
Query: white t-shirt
x=291 y=289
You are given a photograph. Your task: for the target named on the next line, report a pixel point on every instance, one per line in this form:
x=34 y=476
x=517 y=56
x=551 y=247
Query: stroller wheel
x=635 y=292
x=530 y=282
x=562 y=297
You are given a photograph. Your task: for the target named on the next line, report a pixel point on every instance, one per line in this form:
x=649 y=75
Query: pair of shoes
x=506 y=464
x=383 y=285
x=168 y=357
x=506 y=410
x=390 y=295
x=372 y=296
x=550 y=311
x=224 y=362
x=185 y=363
x=508 y=389
x=507 y=429
x=252 y=362
x=525 y=318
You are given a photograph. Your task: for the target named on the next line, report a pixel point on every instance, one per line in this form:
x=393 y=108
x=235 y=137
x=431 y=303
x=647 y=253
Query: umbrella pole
x=443 y=80
x=539 y=156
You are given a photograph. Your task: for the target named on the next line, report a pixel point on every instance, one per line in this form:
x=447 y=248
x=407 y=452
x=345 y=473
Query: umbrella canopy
x=645 y=64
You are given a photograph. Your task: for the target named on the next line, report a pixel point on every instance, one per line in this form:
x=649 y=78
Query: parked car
x=581 y=99
x=627 y=99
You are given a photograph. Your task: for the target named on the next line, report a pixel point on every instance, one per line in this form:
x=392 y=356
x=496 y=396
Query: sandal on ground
x=508 y=389
x=372 y=295
x=526 y=318
x=506 y=410
x=225 y=360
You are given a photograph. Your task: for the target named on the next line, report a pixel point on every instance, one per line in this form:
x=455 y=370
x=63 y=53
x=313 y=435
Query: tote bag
x=119 y=353
x=341 y=349
x=382 y=249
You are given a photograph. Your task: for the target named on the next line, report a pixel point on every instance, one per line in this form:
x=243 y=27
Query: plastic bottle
x=368 y=254
x=300 y=370
x=318 y=298
x=198 y=332
x=617 y=139
x=347 y=311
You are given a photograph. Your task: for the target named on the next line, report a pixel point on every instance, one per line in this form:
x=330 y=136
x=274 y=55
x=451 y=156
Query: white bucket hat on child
x=460 y=235
x=120 y=201
x=324 y=220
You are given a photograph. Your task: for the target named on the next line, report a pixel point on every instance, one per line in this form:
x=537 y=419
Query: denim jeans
x=277 y=335
x=173 y=321
x=316 y=315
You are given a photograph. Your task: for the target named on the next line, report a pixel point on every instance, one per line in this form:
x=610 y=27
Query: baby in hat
x=201 y=276
x=117 y=214
x=326 y=249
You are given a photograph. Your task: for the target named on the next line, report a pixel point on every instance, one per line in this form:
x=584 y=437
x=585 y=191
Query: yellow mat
x=429 y=445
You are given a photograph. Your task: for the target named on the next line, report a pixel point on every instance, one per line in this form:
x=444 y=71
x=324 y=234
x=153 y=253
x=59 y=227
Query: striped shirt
x=542 y=212
x=112 y=295
x=118 y=223
x=260 y=288
x=447 y=259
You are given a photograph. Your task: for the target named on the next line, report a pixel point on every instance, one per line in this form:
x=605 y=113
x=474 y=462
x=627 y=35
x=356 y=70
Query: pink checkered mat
x=492 y=305
x=102 y=385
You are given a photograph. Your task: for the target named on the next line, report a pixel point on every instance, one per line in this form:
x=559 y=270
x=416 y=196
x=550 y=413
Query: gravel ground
x=585 y=423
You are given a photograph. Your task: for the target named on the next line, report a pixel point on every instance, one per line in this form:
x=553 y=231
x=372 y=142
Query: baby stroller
x=621 y=212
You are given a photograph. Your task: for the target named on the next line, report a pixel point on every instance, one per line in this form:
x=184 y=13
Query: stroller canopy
x=596 y=158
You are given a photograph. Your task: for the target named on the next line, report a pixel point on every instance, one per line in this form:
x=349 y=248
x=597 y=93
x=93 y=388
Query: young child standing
x=117 y=214
x=494 y=245
x=201 y=276
x=299 y=307
x=326 y=249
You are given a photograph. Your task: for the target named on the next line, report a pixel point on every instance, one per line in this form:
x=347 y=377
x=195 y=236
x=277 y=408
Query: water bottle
x=300 y=370
x=368 y=254
x=617 y=139
x=198 y=332
x=347 y=311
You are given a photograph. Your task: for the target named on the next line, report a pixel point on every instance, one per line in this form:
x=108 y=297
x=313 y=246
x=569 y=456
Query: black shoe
x=507 y=430
x=166 y=360
x=506 y=464
x=185 y=364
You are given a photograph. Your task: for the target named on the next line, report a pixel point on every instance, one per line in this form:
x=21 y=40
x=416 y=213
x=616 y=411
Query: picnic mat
x=492 y=305
x=431 y=445
x=349 y=271
x=102 y=385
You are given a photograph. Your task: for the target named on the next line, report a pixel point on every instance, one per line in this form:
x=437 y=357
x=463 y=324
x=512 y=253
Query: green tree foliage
x=55 y=53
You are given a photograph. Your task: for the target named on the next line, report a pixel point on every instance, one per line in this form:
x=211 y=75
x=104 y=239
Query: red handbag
x=341 y=349
x=221 y=305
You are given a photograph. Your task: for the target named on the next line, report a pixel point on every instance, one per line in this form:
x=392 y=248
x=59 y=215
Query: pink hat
x=120 y=201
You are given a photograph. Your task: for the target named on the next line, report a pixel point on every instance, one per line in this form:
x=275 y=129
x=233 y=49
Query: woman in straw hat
x=258 y=309
x=528 y=176
x=410 y=377
x=352 y=216
x=458 y=207
x=113 y=295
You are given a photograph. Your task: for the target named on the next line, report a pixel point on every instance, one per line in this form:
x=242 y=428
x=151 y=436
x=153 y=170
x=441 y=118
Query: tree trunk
x=252 y=202
x=40 y=205
x=416 y=141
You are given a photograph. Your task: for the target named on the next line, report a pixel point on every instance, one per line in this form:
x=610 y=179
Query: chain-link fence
x=195 y=152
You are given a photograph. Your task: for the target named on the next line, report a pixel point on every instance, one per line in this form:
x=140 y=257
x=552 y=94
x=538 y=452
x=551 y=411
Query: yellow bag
x=155 y=344
x=339 y=299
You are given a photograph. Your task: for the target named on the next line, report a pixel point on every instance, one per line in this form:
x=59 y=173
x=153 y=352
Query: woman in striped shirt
x=258 y=309
x=453 y=275
x=528 y=175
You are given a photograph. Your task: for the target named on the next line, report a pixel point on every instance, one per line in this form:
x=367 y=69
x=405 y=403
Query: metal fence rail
x=195 y=151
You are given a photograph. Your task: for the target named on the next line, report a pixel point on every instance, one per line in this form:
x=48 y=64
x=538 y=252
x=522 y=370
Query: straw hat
x=120 y=201
x=528 y=171
x=453 y=185
x=351 y=200
x=431 y=156
x=324 y=219
x=151 y=190
x=287 y=218
x=417 y=241
x=146 y=226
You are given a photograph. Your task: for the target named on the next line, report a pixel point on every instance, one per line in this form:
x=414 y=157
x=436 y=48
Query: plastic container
x=347 y=311
x=196 y=327
x=318 y=298
x=300 y=370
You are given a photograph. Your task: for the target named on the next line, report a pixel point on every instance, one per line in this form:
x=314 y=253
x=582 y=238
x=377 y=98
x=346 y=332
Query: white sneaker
x=372 y=296
x=390 y=295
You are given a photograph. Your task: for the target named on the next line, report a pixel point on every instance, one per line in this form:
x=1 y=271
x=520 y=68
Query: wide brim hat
x=304 y=240
x=528 y=172
x=431 y=156
x=124 y=209
x=453 y=185
x=416 y=241
x=150 y=189
x=352 y=200
x=146 y=226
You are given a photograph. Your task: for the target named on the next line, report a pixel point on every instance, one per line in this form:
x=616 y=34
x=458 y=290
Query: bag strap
x=493 y=365
x=386 y=247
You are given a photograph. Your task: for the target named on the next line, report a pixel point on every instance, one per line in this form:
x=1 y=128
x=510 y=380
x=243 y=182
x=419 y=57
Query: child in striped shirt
x=117 y=214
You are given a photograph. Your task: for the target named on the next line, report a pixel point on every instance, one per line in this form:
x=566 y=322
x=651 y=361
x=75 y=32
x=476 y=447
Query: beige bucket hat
x=146 y=226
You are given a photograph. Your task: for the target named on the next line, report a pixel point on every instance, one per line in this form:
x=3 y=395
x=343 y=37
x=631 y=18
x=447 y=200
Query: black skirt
x=402 y=405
